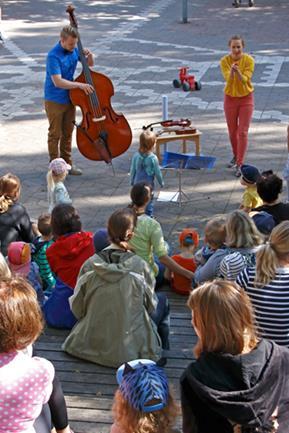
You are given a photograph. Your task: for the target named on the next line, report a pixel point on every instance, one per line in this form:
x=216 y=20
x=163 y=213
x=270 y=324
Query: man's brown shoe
x=74 y=171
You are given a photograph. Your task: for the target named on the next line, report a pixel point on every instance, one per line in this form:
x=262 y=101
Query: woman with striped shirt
x=267 y=284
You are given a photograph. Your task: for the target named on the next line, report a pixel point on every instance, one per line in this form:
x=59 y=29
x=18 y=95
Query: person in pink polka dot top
x=26 y=382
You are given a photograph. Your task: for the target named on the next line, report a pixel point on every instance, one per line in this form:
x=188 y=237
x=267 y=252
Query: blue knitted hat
x=143 y=385
x=250 y=173
x=264 y=222
x=100 y=240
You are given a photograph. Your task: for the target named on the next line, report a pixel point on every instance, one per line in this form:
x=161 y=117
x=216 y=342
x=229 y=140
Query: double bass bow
x=103 y=134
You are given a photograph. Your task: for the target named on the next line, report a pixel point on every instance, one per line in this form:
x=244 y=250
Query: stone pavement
x=140 y=46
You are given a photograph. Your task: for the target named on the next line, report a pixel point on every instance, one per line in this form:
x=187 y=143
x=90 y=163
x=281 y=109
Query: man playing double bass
x=60 y=67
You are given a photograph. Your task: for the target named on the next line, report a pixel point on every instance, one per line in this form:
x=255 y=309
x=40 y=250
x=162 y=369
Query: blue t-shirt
x=59 y=62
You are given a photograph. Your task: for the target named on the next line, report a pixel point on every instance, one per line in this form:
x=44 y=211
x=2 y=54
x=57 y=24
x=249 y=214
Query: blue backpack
x=141 y=174
x=56 y=309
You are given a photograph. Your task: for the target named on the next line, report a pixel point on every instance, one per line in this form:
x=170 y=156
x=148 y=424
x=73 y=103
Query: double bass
x=103 y=134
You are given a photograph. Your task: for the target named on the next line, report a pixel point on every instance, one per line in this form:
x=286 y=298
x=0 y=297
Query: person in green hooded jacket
x=118 y=314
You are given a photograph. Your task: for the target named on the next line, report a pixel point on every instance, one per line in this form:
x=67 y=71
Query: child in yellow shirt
x=249 y=177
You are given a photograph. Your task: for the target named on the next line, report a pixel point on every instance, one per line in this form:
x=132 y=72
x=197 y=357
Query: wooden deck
x=89 y=388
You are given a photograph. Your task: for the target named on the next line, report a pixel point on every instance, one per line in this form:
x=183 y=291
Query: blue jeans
x=150 y=207
x=161 y=317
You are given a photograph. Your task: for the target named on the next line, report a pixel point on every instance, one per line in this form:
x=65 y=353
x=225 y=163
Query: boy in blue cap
x=249 y=176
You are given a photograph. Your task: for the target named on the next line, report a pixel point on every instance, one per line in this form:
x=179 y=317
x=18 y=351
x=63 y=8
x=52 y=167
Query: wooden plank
x=90 y=415
x=88 y=402
x=77 y=367
x=89 y=388
x=87 y=427
x=57 y=355
x=98 y=389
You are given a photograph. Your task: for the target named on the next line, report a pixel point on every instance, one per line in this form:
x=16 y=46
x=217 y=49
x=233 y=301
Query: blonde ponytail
x=269 y=255
x=50 y=188
x=9 y=191
x=5 y=203
x=50 y=181
x=266 y=265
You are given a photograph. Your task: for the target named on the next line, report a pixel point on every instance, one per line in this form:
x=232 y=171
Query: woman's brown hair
x=223 y=317
x=120 y=226
x=268 y=256
x=20 y=315
x=131 y=420
x=236 y=38
x=9 y=191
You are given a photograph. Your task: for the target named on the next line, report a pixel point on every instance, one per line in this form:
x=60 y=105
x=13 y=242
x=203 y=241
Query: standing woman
x=237 y=69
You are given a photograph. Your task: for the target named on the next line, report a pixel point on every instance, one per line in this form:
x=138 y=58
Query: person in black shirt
x=238 y=382
x=15 y=224
x=269 y=187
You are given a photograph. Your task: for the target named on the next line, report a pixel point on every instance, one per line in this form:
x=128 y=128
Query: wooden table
x=166 y=138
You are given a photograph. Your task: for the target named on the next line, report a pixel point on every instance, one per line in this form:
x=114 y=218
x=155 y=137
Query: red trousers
x=238 y=112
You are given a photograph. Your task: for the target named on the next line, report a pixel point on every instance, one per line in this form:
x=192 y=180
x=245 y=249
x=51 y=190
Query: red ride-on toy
x=186 y=81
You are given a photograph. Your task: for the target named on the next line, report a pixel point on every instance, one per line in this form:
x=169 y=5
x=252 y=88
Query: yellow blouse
x=234 y=86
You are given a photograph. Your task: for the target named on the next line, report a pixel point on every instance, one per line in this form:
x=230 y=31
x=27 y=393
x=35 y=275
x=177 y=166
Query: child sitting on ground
x=249 y=177
x=30 y=391
x=214 y=250
x=38 y=249
x=189 y=241
x=145 y=165
x=19 y=261
x=57 y=192
x=143 y=401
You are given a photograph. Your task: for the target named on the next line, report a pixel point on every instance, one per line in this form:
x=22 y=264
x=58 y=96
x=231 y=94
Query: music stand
x=181 y=161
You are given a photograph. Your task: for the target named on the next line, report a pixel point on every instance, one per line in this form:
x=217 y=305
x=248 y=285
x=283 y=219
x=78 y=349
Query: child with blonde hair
x=15 y=224
x=267 y=284
x=145 y=165
x=214 y=250
x=57 y=192
x=143 y=403
x=238 y=382
x=243 y=241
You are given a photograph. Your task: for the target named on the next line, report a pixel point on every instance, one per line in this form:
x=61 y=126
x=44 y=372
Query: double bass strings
x=94 y=102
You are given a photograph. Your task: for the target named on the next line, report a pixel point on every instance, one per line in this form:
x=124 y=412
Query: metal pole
x=165 y=113
x=185 y=11
x=165 y=107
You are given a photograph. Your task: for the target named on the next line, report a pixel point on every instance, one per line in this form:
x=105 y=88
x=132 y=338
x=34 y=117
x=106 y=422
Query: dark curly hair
x=269 y=186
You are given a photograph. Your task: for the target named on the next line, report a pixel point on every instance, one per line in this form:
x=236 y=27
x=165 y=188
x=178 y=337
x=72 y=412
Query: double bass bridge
x=98 y=119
